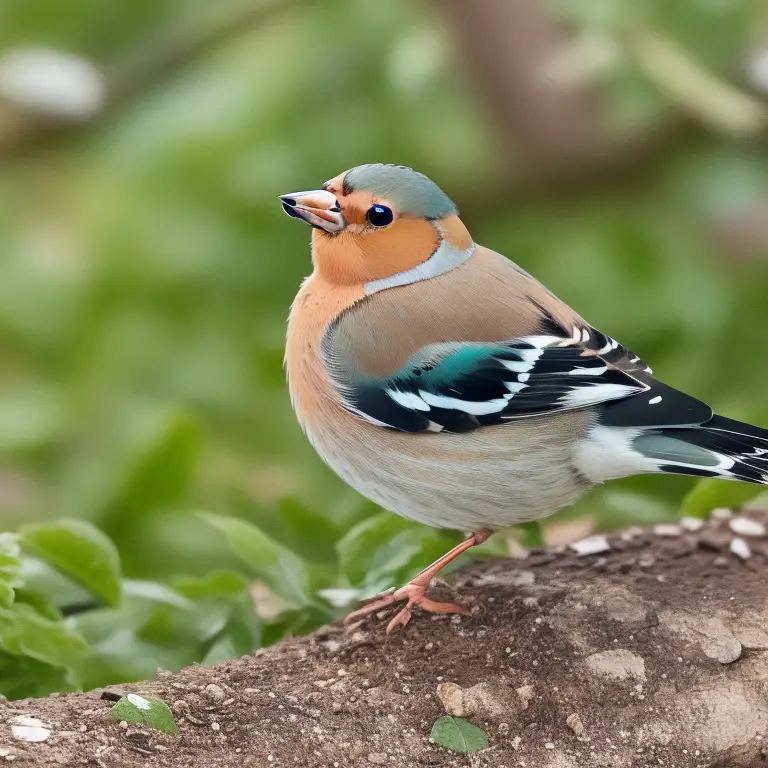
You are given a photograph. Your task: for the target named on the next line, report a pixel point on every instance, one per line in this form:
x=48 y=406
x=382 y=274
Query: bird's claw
x=415 y=594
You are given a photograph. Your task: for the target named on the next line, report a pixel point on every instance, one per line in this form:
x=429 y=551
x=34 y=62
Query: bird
x=445 y=383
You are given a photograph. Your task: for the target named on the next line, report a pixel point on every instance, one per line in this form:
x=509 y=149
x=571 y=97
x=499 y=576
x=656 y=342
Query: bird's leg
x=415 y=590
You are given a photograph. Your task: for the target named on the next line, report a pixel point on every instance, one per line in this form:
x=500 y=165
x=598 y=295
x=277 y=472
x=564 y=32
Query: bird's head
x=376 y=221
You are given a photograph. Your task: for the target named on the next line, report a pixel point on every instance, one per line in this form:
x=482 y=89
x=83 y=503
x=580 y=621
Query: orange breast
x=316 y=306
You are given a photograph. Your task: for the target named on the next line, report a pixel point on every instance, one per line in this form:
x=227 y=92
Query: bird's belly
x=491 y=478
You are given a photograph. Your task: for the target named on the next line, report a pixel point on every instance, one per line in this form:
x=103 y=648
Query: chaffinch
x=445 y=383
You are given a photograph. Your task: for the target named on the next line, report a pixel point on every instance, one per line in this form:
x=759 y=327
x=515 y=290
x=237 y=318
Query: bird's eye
x=379 y=215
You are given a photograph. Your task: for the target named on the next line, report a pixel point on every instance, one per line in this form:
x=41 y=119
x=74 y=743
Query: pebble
x=573 y=721
x=592 y=545
x=549 y=745
x=451 y=696
x=744 y=526
x=668 y=529
x=27 y=728
x=216 y=692
x=692 y=523
x=617 y=664
x=740 y=548
x=722 y=513
x=525 y=694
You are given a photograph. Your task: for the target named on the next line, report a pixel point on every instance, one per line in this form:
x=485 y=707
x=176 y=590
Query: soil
x=652 y=653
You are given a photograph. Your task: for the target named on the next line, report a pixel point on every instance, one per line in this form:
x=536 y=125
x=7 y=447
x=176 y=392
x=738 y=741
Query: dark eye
x=379 y=215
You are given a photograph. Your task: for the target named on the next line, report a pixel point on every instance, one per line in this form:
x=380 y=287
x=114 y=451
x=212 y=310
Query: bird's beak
x=318 y=208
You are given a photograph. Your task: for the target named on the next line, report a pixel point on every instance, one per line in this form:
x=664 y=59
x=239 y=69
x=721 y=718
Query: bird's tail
x=719 y=448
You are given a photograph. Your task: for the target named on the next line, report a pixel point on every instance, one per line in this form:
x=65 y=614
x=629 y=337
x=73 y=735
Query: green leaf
x=458 y=735
x=308 y=532
x=360 y=544
x=10 y=554
x=24 y=677
x=80 y=551
x=163 y=465
x=709 y=494
x=9 y=566
x=218 y=584
x=138 y=710
x=24 y=632
x=280 y=569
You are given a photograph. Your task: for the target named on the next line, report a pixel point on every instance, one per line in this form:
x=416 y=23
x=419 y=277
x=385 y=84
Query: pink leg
x=415 y=590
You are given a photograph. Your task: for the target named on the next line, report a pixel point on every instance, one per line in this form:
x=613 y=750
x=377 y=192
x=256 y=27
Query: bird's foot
x=415 y=594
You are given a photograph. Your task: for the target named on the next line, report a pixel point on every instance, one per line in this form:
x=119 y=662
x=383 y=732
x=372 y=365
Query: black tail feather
x=743 y=443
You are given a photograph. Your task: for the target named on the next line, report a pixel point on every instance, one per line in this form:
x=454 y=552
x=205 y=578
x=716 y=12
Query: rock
x=573 y=721
x=668 y=529
x=619 y=603
x=525 y=694
x=740 y=548
x=745 y=526
x=480 y=699
x=751 y=630
x=617 y=664
x=485 y=699
x=592 y=545
x=451 y=697
x=691 y=524
x=722 y=513
x=28 y=728
x=215 y=692
x=713 y=636
x=723 y=647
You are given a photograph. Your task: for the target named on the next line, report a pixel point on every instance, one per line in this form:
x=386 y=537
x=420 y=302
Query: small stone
x=451 y=697
x=592 y=545
x=215 y=692
x=722 y=513
x=692 y=524
x=549 y=745
x=336 y=707
x=668 y=530
x=722 y=646
x=123 y=724
x=503 y=729
x=618 y=664
x=516 y=742
x=28 y=728
x=215 y=727
x=740 y=548
x=745 y=526
x=378 y=758
x=573 y=721
x=525 y=693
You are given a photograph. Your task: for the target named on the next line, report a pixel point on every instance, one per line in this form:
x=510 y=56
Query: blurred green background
x=616 y=150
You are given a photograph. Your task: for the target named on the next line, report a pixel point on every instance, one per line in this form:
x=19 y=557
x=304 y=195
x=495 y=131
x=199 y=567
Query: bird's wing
x=460 y=387
x=486 y=344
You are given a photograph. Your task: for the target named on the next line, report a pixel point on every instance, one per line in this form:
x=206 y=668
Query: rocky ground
x=650 y=651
